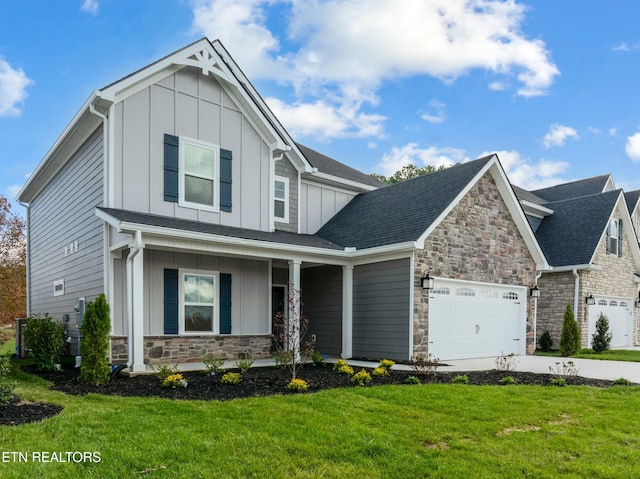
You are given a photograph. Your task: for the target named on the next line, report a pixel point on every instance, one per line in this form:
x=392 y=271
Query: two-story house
x=178 y=193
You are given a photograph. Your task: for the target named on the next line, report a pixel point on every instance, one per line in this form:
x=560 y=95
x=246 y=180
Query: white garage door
x=475 y=320
x=620 y=315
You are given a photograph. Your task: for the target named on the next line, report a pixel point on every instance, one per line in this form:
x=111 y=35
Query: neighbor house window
x=199 y=302
x=58 y=287
x=614 y=237
x=281 y=199
x=199 y=174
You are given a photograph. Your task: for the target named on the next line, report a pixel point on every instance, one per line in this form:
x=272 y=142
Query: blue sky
x=552 y=87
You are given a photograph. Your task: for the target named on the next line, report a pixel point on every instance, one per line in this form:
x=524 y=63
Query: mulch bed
x=256 y=382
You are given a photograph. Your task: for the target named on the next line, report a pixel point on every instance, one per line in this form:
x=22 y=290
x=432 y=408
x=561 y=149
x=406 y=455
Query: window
x=58 y=287
x=465 y=292
x=614 y=237
x=199 y=174
x=198 y=302
x=281 y=199
x=511 y=295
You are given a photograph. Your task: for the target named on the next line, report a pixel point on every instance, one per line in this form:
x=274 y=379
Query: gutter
x=137 y=247
x=535 y=316
x=575 y=293
x=28 y=256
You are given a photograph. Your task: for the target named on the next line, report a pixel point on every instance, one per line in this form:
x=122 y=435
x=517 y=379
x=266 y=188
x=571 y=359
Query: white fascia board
x=577 y=267
x=535 y=210
x=311 y=181
x=62 y=147
x=336 y=180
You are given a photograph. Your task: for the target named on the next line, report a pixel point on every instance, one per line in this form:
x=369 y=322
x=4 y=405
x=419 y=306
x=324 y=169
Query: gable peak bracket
x=203 y=60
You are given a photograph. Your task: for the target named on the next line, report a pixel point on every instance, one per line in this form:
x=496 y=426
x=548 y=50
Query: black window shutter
x=620 y=238
x=225 y=180
x=171 y=168
x=170 y=301
x=225 y=303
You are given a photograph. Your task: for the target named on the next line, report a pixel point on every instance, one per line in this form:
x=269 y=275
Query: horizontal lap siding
x=64 y=212
x=381 y=309
x=322 y=304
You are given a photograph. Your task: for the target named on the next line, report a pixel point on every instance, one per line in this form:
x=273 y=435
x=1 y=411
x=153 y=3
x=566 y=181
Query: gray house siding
x=285 y=169
x=322 y=299
x=61 y=215
x=319 y=203
x=381 y=310
x=189 y=104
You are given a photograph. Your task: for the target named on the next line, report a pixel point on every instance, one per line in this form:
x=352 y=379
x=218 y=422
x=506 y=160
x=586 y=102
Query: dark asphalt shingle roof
x=327 y=165
x=574 y=189
x=632 y=197
x=284 y=237
x=524 y=195
x=572 y=233
x=402 y=212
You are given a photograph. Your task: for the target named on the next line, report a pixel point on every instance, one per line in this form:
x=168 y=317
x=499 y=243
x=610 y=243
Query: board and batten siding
x=196 y=106
x=250 y=293
x=61 y=214
x=320 y=203
x=322 y=300
x=381 y=310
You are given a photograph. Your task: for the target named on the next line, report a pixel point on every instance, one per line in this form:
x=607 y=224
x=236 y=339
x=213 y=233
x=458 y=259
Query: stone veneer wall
x=615 y=279
x=477 y=241
x=285 y=169
x=185 y=349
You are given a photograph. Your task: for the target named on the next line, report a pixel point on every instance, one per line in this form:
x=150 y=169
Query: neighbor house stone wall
x=285 y=169
x=477 y=241
x=184 y=349
x=615 y=278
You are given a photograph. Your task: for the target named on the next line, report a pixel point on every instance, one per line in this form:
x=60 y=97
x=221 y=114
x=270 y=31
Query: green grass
x=611 y=355
x=435 y=430
x=8 y=348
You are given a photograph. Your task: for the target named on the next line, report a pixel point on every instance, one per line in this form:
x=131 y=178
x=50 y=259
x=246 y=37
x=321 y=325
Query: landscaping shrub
x=386 y=364
x=508 y=380
x=422 y=364
x=342 y=367
x=318 y=359
x=380 y=371
x=174 y=381
x=297 y=385
x=546 y=342
x=163 y=371
x=95 y=330
x=570 y=338
x=6 y=388
x=622 y=382
x=506 y=362
x=244 y=365
x=44 y=340
x=412 y=380
x=361 y=378
x=564 y=369
x=213 y=366
x=462 y=379
x=601 y=339
x=561 y=382
x=231 y=378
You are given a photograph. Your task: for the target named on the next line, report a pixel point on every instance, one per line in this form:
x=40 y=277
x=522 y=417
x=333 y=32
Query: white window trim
x=286 y=199
x=59 y=282
x=613 y=238
x=216 y=301
x=183 y=140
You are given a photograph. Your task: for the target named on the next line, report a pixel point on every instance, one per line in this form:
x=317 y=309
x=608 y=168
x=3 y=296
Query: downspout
x=575 y=293
x=535 y=315
x=133 y=252
x=28 y=257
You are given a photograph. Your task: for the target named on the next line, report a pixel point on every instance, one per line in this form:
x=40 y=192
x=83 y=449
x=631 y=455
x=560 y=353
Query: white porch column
x=294 y=306
x=347 y=311
x=135 y=303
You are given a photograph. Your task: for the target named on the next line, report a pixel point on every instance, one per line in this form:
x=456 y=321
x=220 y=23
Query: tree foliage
x=570 y=337
x=406 y=173
x=95 y=329
x=13 y=253
x=601 y=339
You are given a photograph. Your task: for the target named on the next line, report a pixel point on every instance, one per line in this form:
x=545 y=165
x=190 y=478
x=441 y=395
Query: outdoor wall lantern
x=427 y=281
x=638 y=300
x=590 y=299
x=535 y=291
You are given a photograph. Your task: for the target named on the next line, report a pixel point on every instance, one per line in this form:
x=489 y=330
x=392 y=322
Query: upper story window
x=614 y=237
x=281 y=199
x=199 y=174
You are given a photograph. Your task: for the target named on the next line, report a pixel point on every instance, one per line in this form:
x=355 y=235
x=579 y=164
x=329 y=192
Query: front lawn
x=434 y=430
x=611 y=355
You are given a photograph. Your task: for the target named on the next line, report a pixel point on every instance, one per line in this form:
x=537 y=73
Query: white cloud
x=90 y=6
x=613 y=131
x=13 y=89
x=339 y=45
x=437 y=112
x=623 y=47
x=412 y=154
x=633 y=147
x=529 y=174
x=558 y=135
x=12 y=191
x=498 y=86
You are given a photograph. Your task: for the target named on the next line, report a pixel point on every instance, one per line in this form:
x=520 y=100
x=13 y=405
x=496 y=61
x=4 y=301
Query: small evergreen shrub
x=462 y=379
x=318 y=359
x=622 y=382
x=546 y=342
x=231 y=378
x=244 y=365
x=95 y=330
x=282 y=358
x=380 y=371
x=163 y=371
x=213 y=366
x=570 y=338
x=560 y=382
x=297 y=385
x=44 y=340
x=342 y=367
x=6 y=387
x=174 y=381
x=601 y=339
x=508 y=380
x=386 y=364
x=412 y=380
x=361 y=378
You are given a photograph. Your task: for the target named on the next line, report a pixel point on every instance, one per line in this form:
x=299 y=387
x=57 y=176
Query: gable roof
x=633 y=200
x=575 y=189
x=571 y=235
x=409 y=211
x=329 y=166
x=524 y=195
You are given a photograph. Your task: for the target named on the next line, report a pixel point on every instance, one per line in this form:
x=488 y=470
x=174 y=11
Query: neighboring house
x=177 y=193
x=633 y=204
x=589 y=238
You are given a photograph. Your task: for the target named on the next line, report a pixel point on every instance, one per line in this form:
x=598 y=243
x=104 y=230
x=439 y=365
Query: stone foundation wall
x=185 y=349
x=556 y=291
